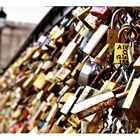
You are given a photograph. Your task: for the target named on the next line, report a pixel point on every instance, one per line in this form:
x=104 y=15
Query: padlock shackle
x=116 y=13
x=122 y=17
x=126 y=28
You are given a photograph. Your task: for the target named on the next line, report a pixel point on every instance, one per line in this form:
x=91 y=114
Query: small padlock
x=57 y=126
x=40 y=81
x=74 y=120
x=62 y=73
x=100 y=11
x=69 y=51
x=71 y=100
x=91 y=21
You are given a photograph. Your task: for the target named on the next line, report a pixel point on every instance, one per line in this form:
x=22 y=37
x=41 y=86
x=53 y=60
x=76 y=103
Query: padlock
x=120 y=53
x=120 y=50
x=81 y=13
x=77 y=11
x=62 y=31
x=58 y=125
x=131 y=104
x=69 y=51
x=62 y=73
x=69 y=84
x=28 y=81
x=94 y=40
x=106 y=52
x=21 y=80
x=49 y=63
x=29 y=53
x=96 y=123
x=52 y=114
x=91 y=21
x=112 y=33
x=64 y=97
x=96 y=103
x=86 y=93
x=4 y=100
x=100 y=11
x=70 y=130
x=40 y=81
x=70 y=101
x=84 y=126
x=83 y=31
x=109 y=84
x=89 y=71
x=76 y=71
x=118 y=105
x=36 y=113
x=74 y=120
x=85 y=40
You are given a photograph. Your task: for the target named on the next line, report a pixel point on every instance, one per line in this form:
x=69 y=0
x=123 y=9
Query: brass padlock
x=69 y=51
x=91 y=20
x=69 y=84
x=112 y=33
x=74 y=120
x=62 y=73
x=40 y=81
x=71 y=100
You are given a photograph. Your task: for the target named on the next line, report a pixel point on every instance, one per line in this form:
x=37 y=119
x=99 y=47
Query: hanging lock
x=70 y=101
x=131 y=104
x=120 y=50
x=69 y=51
x=118 y=105
x=89 y=70
x=112 y=33
x=100 y=11
x=96 y=103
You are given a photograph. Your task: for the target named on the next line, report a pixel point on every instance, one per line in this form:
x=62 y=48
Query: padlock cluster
x=83 y=76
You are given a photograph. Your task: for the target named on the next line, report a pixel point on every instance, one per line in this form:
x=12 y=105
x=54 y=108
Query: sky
x=26 y=14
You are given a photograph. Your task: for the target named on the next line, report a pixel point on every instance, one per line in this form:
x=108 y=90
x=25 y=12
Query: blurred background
x=16 y=24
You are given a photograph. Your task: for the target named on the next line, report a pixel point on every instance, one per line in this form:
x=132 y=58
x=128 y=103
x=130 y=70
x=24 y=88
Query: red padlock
x=100 y=11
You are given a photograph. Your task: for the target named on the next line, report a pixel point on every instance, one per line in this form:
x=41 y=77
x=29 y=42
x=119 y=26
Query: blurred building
x=13 y=36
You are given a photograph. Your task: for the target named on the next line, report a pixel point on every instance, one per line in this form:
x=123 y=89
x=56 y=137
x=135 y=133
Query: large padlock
x=94 y=40
x=131 y=104
x=120 y=50
x=112 y=33
x=96 y=103
x=89 y=71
